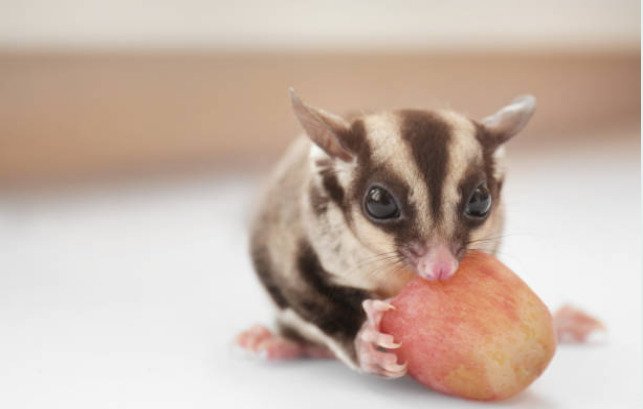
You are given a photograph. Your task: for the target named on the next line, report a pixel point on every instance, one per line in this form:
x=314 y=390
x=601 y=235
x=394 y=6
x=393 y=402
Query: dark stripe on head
x=368 y=173
x=331 y=185
x=489 y=164
x=355 y=140
x=336 y=310
x=474 y=175
x=428 y=136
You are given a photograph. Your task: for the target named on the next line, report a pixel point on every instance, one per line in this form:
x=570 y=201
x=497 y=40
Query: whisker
x=380 y=262
x=487 y=239
x=380 y=259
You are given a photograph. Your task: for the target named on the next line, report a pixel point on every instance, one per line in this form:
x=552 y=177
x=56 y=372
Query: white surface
x=329 y=24
x=129 y=297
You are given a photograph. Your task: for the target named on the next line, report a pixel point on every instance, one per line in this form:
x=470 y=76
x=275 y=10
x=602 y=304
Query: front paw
x=375 y=350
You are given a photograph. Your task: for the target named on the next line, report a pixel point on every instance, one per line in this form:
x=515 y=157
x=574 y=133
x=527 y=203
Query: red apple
x=483 y=334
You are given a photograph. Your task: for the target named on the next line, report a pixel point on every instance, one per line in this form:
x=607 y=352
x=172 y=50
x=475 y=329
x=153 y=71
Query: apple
x=483 y=334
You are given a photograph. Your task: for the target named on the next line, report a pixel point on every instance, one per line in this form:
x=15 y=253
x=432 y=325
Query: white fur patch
x=355 y=259
x=385 y=135
x=463 y=149
x=499 y=159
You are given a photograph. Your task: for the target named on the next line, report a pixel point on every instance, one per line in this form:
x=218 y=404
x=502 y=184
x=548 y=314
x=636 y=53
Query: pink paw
x=573 y=325
x=374 y=349
x=273 y=347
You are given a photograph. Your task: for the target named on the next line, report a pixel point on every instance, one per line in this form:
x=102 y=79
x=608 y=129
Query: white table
x=128 y=296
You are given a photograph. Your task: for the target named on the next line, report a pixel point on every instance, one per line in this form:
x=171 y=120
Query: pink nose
x=437 y=264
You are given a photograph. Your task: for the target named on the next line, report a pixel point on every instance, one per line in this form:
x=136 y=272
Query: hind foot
x=574 y=325
x=262 y=342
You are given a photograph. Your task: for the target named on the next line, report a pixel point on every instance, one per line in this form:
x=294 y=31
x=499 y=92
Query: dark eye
x=479 y=203
x=380 y=204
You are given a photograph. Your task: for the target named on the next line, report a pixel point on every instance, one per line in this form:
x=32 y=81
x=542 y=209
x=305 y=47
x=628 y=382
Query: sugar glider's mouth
x=435 y=262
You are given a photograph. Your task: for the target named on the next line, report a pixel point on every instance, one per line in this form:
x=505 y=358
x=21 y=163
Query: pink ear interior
x=323 y=128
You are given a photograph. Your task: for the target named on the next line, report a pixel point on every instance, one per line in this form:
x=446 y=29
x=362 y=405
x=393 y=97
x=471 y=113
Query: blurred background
x=93 y=89
x=134 y=136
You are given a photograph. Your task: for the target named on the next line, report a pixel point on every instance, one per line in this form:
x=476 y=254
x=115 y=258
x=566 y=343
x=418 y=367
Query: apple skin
x=483 y=334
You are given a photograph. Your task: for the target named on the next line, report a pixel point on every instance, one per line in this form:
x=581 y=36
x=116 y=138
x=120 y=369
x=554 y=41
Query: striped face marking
x=430 y=163
x=435 y=176
x=424 y=185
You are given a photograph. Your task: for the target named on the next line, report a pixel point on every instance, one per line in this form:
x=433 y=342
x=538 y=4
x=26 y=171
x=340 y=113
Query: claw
x=389 y=344
x=385 y=341
x=378 y=339
x=374 y=310
x=375 y=349
x=393 y=375
x=395 y=368
x=379 y=358
x=380 y=305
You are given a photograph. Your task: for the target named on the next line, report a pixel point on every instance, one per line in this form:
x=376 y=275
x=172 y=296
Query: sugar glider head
x=414 y=186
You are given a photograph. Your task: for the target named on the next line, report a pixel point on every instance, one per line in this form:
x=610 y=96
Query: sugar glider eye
x=380 y=204
x=479 y=203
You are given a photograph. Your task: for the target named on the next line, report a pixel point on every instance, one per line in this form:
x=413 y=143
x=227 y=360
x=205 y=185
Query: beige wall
x=95 y=87
x=78 y=115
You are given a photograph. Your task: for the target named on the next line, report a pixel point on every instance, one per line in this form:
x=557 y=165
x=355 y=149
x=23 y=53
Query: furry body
x=315 y=249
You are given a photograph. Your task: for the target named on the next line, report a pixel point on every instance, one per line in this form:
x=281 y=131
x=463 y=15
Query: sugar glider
x=356 y=208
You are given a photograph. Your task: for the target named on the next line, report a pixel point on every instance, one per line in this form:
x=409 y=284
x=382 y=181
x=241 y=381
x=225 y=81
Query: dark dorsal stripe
x=428 y=136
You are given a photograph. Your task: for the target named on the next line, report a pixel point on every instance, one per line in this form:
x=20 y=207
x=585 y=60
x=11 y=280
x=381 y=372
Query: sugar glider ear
x=323 y=128
x=510 y=120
